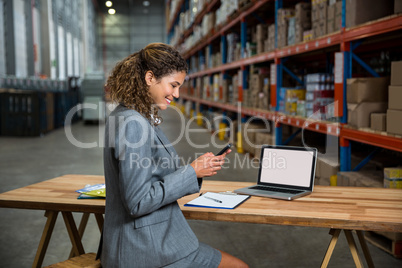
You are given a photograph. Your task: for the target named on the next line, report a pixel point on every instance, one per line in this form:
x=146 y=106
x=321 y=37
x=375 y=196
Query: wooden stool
x=85 y=260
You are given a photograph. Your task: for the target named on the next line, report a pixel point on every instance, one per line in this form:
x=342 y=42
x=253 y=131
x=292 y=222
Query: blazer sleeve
x=143 y=192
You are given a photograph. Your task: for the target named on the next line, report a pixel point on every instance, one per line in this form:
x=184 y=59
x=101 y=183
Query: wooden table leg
x=46 y=235
x=73 y=233
x=335 y=234
x=365 y=249
x=81 y=229
x=99 y=220
x=353 y=248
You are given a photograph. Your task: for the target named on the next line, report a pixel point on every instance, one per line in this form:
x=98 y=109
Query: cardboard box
x=394 y=125
x=331 y=19
x=323 y=10
x=397 y=6
x=395 y=98
x=368 y=178
x=393 y=183
x=361 y=11
x=262 y=32
x=327 y=166
x=282 y=35
x=359 y=113
x=396 y=73
x=338 y=16
x=249 y=134
x=303 y=12
x=378 y=121
x=368 y=89
x=232 y=134
x=263 y=139
x=325 y=181
x=284 y=14
x=393 y=172
x=392 y=236
x=307 y=35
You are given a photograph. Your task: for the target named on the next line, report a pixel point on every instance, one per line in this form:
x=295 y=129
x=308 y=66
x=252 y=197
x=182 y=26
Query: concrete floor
x=24 y=161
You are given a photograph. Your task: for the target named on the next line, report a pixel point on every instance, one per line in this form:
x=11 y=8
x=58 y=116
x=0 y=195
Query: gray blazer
x=144 y=226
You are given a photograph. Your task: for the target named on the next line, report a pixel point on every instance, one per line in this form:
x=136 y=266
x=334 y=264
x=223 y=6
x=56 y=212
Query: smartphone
x=227 y=147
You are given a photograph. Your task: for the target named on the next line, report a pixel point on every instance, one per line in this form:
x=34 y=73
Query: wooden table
x=337 y=208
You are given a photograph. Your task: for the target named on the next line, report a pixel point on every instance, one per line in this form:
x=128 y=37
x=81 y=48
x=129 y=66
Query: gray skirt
x=204 y=256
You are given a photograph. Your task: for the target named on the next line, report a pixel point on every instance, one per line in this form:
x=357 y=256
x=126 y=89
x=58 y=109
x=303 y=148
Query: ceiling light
x=108 y=3
x=146 y=3
x=111 y=11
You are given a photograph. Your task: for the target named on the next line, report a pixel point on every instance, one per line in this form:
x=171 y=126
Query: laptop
x=286 y=172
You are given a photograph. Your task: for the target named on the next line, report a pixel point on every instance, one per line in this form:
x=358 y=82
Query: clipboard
x=211 y=200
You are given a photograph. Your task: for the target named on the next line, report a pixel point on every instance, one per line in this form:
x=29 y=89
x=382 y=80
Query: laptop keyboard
x=273 y=189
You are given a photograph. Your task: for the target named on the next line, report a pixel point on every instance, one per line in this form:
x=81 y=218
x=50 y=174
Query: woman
x=144 y=226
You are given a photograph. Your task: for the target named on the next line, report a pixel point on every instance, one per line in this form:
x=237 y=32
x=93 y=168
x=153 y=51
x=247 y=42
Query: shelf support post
x=347 y=73
x=278 y=133
x=243 y=37
x=210 y=56
x=279 y=76
x=278 y=5
x=345 y=154
x=224 y=48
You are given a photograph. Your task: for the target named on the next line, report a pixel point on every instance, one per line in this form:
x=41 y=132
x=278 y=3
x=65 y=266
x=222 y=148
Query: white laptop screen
x=286 y=167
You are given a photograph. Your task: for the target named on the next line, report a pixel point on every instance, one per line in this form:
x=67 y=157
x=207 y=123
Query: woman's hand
x=208 y=164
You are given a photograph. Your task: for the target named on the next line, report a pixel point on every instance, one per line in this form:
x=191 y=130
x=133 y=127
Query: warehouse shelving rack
x=346 y=39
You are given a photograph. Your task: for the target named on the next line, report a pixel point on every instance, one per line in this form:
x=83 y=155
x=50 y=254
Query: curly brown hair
x=127 y=81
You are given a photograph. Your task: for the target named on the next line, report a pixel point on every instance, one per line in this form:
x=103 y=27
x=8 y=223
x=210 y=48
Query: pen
x=213 y=199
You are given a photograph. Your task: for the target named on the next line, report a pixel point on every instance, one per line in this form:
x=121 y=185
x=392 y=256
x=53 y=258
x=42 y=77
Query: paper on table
x=228 y=201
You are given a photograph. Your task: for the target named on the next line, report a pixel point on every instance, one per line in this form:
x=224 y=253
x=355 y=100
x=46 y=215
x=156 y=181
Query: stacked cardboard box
x=262 y=138
x=215 y=87
x=366 y=96
x=319 y=17
x=398 y=6
x=206 y=89
x=263 y=96
x=283 y=21
x=327 y=167
x=216 y=60
x=393 y=177
x=234 y=88
x=378 y=121
x=292 y=96
x=394 y=112
x=232 y=47
x=270 y=42
x=302 y=19
x=258 y=90
x=232 y=133
x=261 y=36
x=208 y=23
x=198 y=87
x=224 y=88
x=369 y=178
x=308 y=35
x=249 y=131
x=360 y=11
x=334 y=19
